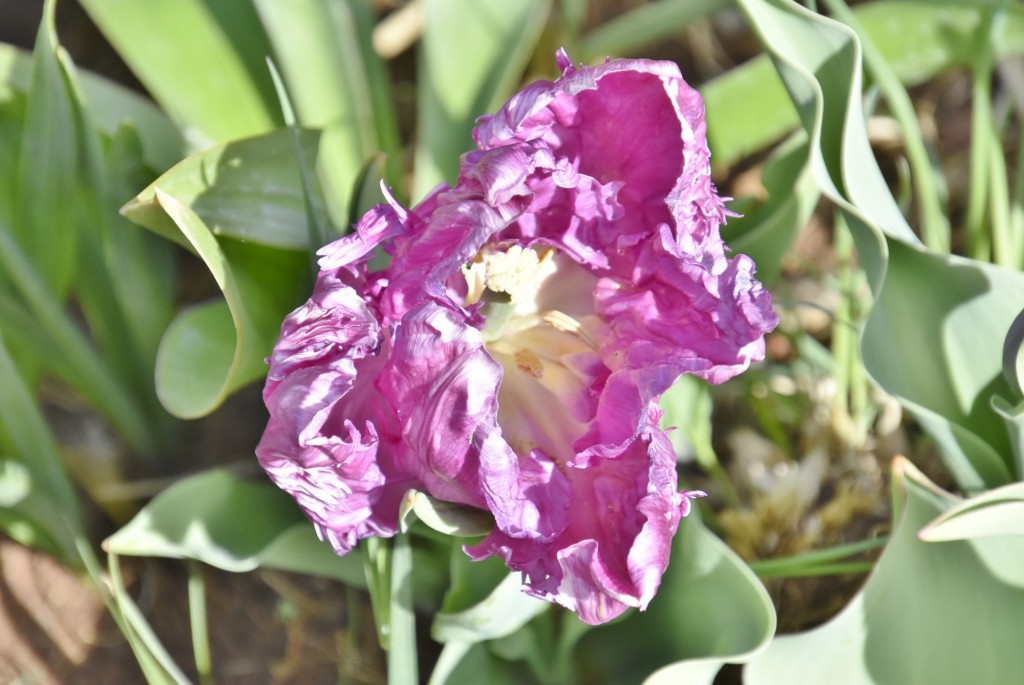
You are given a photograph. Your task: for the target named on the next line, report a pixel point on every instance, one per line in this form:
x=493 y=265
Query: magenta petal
x=443 y=387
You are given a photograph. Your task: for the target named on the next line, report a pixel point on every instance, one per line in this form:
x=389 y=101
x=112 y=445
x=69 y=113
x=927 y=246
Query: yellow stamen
x=564 y=322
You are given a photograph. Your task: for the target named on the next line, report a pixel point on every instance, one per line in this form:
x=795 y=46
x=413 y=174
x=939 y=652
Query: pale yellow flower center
x=543 y=350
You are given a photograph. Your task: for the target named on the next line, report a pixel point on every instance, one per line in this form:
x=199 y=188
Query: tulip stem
x=402 y=666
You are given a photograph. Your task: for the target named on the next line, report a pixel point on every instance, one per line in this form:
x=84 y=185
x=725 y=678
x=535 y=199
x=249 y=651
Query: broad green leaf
x=12 y=121
x=233 y=524
x=710 y=610
x=318 y=50
x=996 y=512
x=735 y=129
x=471 y=57
x=212 y=350
x=934 y=335
x=964 y=596
x=111 y=106
x=47 y=182
x=949 y=315
x=248 y=189
x=201 y=61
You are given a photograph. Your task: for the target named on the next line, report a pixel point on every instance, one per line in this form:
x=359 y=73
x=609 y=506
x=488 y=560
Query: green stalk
x=199 y=625
x=94 y=380
x=979 y=240
x=1003 y=239
x=402 y=666
x=934 y=224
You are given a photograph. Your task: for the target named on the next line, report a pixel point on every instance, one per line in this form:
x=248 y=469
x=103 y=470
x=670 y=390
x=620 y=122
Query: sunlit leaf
x=445 y=517
x=247 y=189
x=201 y=61
x=318 y=51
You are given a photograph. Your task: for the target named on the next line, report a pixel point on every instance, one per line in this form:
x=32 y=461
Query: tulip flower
x=511 y=355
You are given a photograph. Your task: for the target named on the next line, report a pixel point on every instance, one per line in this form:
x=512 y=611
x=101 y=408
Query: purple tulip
x=511 y=355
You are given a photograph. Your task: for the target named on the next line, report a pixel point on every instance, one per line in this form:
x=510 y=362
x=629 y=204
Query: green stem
x=198 y=621
x=934 y=224
x=402 y=665
x=1003 y=240
x=979 y=240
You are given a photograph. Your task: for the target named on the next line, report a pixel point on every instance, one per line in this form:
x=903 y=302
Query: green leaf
x=471 y=57
x=47 y=182
x=920 y=595
x=246 y=189
x=736 y=130
x=212 y=350
x=111 y=106
x=710 y=610
x=233 y=524
x=170 y=46
x=994 y=513
x=50 y=501
x=920 y=38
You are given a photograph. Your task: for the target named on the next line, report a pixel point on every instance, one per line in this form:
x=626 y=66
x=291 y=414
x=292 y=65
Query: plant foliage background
x=152 y=239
